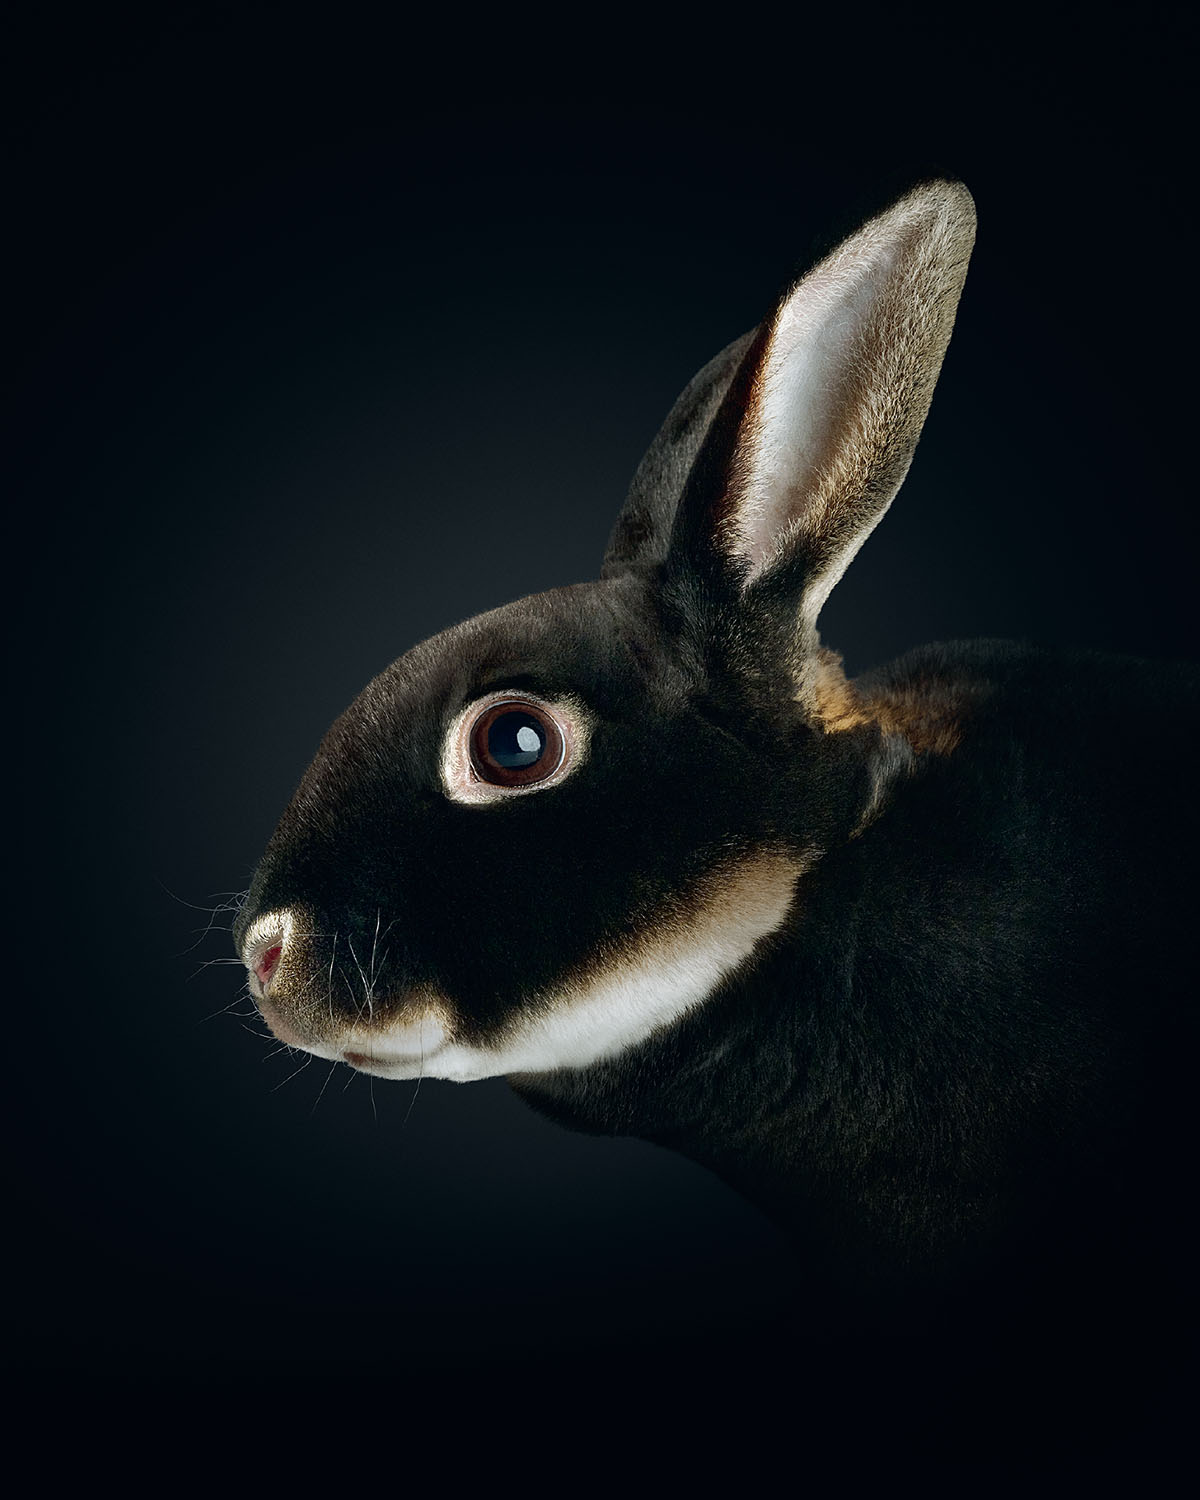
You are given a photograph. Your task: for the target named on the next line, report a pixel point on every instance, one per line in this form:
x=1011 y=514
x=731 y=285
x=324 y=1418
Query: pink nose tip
x=268 y=962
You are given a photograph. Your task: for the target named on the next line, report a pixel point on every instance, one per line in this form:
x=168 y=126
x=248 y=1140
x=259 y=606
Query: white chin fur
x=662 y=975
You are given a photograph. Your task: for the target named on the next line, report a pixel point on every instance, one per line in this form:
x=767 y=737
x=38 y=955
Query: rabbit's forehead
x=593 y=638
x=571 y=642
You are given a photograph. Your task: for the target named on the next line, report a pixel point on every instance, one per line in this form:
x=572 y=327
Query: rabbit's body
x=899 y=958
x=953 y=1044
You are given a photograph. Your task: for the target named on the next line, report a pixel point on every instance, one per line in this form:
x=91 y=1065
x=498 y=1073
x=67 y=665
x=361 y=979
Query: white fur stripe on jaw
x=663 y=974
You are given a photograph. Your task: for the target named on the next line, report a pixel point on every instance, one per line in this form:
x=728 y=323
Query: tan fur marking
x=743 y=898
x=927 y=713
x=651 y=978
x=834 y=700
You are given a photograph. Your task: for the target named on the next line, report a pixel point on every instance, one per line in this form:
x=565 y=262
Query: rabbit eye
x=515 y=743
x=510 y=743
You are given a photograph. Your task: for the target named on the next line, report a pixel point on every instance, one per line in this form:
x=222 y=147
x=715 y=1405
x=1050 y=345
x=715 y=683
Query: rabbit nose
x=267 y=963
x=266 y=944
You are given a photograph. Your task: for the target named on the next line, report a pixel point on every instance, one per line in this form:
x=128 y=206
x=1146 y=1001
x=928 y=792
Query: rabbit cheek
x=673 y=965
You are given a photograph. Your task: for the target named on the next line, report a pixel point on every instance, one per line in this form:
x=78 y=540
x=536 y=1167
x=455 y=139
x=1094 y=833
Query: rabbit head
x=546 y=833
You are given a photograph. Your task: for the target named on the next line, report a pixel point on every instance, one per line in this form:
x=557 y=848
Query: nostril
x=267 y=962
x=267 y=940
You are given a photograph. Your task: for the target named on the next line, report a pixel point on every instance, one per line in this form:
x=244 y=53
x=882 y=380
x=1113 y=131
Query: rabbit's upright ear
x=817 y=418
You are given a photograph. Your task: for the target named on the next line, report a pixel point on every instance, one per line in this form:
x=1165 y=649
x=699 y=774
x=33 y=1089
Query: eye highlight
x=511 y=743
x=514 y=743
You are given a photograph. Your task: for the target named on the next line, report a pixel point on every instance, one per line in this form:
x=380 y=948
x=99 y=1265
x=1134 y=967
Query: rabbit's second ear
x=819 y=424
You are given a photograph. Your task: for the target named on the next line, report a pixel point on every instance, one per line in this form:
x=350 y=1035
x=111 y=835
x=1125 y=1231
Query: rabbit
x=897 y=957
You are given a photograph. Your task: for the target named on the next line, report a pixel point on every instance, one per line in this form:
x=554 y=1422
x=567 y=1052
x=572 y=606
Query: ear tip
x=943 y=200
x=958 y=201
x=937 y=213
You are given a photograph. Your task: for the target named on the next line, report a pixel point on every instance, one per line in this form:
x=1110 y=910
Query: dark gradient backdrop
x=321 y=347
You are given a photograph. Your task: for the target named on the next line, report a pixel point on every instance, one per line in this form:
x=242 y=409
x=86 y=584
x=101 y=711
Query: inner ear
x=813 y=432
x=819 y=426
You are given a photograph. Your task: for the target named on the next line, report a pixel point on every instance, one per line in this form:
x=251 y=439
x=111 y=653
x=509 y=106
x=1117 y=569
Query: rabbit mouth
x=401 y=1050
x=398 y=1068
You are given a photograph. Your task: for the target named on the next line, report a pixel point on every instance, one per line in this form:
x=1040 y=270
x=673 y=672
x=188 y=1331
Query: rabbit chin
x=655 y=980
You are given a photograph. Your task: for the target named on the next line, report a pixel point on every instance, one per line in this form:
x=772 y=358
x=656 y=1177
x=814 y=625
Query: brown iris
x=515 y=743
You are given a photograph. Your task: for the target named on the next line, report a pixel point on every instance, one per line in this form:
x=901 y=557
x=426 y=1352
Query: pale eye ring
x=512 y=743
x=516 y=742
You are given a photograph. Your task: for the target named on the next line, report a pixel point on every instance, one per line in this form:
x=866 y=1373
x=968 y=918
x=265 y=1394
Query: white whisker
x=290 y=1076
x=324 y=1086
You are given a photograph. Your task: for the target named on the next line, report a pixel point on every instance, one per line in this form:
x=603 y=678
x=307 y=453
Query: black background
x=326 y=336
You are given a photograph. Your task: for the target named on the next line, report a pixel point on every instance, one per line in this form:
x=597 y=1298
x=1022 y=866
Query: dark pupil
x=515 y=740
